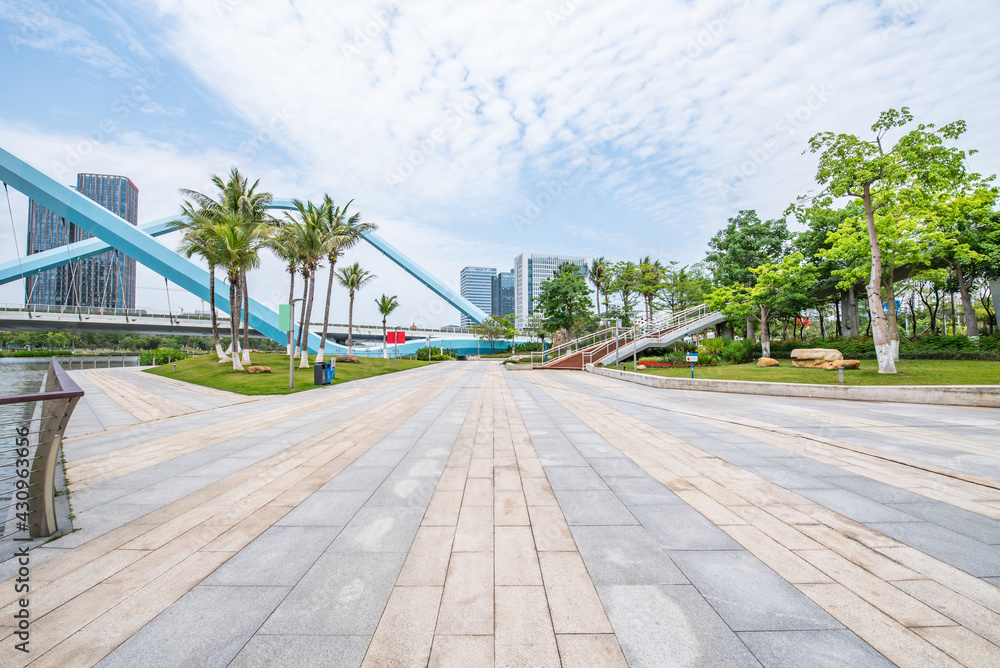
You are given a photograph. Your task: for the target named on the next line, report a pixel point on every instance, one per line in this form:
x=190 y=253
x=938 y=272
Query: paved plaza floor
x=465 y=515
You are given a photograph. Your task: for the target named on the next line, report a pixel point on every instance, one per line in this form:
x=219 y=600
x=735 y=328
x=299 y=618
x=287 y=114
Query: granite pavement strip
x=461 y=515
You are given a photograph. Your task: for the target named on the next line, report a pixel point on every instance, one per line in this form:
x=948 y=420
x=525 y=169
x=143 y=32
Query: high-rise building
x=476 y=285
x=100 y=281
x=503 y=294
x=529 y=272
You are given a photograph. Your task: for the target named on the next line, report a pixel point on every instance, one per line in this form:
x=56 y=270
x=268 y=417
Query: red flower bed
x=650 y=364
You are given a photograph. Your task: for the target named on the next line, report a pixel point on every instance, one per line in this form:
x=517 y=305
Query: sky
x=472 y=132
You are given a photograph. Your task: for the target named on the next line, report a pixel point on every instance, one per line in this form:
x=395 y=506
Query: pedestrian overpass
x=111 y=232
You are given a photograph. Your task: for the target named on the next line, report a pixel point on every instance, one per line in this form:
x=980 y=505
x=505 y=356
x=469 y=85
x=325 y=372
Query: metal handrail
x=60 y=396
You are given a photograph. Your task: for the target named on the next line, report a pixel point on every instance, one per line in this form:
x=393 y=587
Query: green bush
x=34 y=353
x=919 y=348
x=161 y=356
x=436 y=355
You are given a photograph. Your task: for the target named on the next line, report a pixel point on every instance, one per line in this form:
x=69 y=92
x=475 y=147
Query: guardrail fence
x=29 y=454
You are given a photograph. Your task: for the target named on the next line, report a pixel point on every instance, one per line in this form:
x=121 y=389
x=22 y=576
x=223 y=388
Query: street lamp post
x=291 y=336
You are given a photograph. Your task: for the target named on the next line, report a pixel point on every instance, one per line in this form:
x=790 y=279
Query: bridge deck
x=463 y=515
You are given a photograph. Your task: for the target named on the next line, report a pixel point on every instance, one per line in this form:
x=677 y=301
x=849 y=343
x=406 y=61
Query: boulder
x=815 y=358
x=767 y=361
x=559 y=337
x=347 y=359
x=640 y=367
x=843 y=364
x=258 y=369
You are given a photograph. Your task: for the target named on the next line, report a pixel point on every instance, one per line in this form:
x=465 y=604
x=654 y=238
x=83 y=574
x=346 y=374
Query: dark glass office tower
x=503 y=295
x=105 y=281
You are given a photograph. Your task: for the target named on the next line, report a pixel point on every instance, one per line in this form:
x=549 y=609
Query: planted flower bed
x=653 y=364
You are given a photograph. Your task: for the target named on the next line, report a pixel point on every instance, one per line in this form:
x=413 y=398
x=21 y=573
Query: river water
x=17 y=376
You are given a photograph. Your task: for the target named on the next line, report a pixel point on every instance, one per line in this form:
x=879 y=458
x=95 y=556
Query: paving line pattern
x=96 y=596
x=463 y=515
x=916 y=610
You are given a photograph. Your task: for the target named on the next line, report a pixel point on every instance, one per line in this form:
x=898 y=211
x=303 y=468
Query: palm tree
x=197 y=229
x=238 y=201
x=340 y=233
x=237 y=242
x=353 y=277
x=386 y=305
x=311 y=247
x=649 y=281
x=597 y=275
x=286 y=245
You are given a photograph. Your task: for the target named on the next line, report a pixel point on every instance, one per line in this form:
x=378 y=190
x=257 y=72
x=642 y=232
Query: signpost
x=286 y=323
x=395 y=338
x=693 y=359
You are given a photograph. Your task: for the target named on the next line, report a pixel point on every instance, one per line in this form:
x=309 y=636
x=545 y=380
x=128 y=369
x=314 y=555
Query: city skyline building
x=530 y=270
x=476 y=285
x=103 y=281
x=503 y=294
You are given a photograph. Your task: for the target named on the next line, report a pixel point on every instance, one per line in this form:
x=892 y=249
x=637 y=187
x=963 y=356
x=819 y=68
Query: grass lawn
x=205 y=370
x=911 y=372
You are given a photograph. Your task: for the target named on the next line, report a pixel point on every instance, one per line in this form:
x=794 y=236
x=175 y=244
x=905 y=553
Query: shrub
x=161 y=356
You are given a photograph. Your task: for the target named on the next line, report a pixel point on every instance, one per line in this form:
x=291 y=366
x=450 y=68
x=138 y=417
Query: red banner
x=396 y=337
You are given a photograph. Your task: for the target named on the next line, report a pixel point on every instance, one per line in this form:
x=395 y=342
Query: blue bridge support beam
x=133 y=241
x=56 y=257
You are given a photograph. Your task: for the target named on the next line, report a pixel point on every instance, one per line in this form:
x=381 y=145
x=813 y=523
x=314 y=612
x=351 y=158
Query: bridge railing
x=29 y=453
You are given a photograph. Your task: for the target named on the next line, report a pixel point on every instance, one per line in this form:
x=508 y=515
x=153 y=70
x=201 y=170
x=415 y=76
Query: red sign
x=396 y=337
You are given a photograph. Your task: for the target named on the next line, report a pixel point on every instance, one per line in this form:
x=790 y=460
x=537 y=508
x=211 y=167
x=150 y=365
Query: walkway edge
x=981 y=396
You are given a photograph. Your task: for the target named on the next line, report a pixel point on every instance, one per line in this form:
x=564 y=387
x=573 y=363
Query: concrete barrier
x=983 y=396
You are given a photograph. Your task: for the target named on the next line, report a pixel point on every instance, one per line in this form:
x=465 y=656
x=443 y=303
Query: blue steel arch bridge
x=110 y=232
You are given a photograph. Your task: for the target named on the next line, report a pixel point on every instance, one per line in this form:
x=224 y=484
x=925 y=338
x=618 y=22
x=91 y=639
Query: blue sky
x=472 y=132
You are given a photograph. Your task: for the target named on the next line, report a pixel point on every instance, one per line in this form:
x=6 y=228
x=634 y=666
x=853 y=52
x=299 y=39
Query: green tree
x=564 y=300
x=341 y=232
x=598 y=275
x=386 y=305
x=684 y=287
x=780 y=291
x=238 y=201
x=495 y=329
x=353 y=277
x=651 y=276
x=918 y=164
x=625 y=281
x=745 y=243
x=312 y=241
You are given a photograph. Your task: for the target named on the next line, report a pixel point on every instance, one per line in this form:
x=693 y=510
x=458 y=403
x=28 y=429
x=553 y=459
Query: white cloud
x=710 y=105
x=40 y=26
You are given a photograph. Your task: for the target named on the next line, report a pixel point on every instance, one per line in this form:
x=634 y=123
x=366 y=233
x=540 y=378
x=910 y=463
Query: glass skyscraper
x=503 y=295
x=476 y=285
x=529 y=272
x=102 y=281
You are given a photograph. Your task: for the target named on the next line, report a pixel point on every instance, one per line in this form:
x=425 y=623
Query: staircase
x=609 y=345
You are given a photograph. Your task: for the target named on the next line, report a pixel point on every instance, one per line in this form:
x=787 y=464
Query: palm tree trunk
x=350 y=326
x=234 y=315
x=304 y=361
x=302 y=314
x=385 y=343
x=290 y=346
x=215 y=321
x=246 y=317
x=326 y=310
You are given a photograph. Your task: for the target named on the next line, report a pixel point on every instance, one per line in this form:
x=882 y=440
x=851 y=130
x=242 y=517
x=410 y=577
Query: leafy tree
x=651 y=274
x=779 y=291
x=312 y=244
x=745 y=243
x=386 y=305
x=625 y=281
x=598 y=275
x=495 y=329
x=862 y=169
x=564 y=299
x=353 y=277
x=684 y=287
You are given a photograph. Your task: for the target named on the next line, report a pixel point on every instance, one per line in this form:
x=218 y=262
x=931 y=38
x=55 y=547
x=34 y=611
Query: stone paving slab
x=461 y=515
